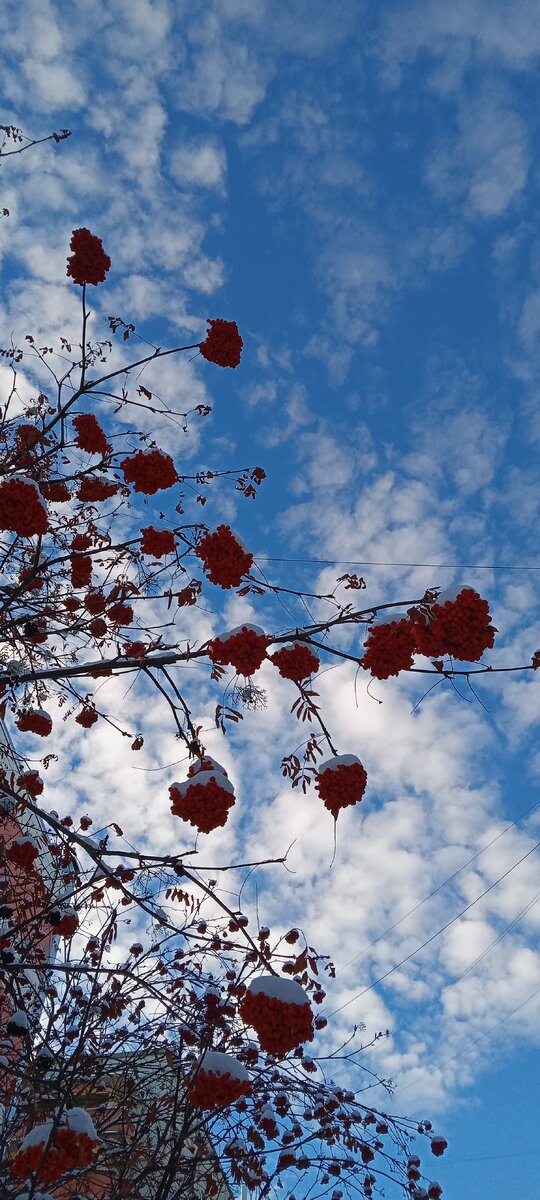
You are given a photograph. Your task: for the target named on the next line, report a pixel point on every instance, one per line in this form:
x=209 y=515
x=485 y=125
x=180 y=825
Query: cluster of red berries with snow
x=458 y=624
x=296 y=662
x=224 y=557
x=243 y=648
x=72 y=1145
x=340 y=782
x=31 y=782
x=220 y=1080
x=89 y=263
x=149 y=471
x=93 y=489
x=223 y=344
x=22 y=510
x=87 y=717
x=157 y=542
x=280 y=1013
x=90 y=436
x=34 y=720
x=64 y=920
x=204 y=799
x=22 y=852
x=418 y=1192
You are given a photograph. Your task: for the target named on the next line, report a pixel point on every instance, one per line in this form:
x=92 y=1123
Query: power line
x=470 y=1045
x=437 y=934
x=439 y=888
x=350 y=562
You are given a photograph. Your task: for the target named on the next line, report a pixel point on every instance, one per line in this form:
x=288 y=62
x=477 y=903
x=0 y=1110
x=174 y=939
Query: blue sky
x=358 y=187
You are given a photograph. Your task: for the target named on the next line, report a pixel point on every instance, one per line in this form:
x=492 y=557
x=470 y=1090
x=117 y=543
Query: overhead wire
x=437 y=889
x=437 y=933
x=351 y=562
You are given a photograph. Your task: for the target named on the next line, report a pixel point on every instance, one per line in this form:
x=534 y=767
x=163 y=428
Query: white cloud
x=486 y=163
x=203 y=165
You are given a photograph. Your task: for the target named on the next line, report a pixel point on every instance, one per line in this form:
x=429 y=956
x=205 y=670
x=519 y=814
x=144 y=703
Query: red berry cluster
x=225 y=559
x=459 y=627
x=149 y=471
x=438 y=1145
x=296 y=662
x=223 y=344
x=34 y=720
x=65 y=923
x=56 y=491
x=203 y=802
x=34 y=584
x=81 y=570
x=28 y=438
x=90 y=435
x=341 y=782
x=244 y=650
x=134 y=649
x=389 y=648
x=120 y=614
x=98 y=627
x=31 y=782
x=92 y=490
x=95 y=603
x=22 y=853
x=21 y=508
x=69 y=1150
x=89 y=263
x=279 y=1026
x=157 y=542
x=211 y=1089
x=87 y=717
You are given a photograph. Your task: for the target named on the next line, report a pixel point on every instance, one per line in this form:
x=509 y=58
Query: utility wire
x=437 y=934
x=351 y=562
x=470 y=1045
x=439 y=888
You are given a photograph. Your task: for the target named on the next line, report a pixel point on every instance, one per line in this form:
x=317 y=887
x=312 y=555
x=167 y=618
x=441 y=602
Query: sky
x=357 y=186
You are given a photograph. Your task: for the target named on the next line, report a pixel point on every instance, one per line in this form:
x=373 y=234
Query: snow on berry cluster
x=34 y=720
x=93 y=489
x=224 y=557
x=90 y=436
x=87 y=717
x=149 y=471
x=72 y=1145
x=31 y=782
x=296 y=662
x=279 y=1012
x=459 y=624
x=220 y=1080
x=22 y=852
x=389 y=647
x=89 y=263
x=243 y=648
x=157 y=542
x=340 y=782
x=22 y=510
x=223 y=344
x=64 y=920
x=206 y=764
x=203 y=800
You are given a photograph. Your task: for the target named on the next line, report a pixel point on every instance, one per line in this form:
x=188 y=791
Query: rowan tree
x=205 y=1047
